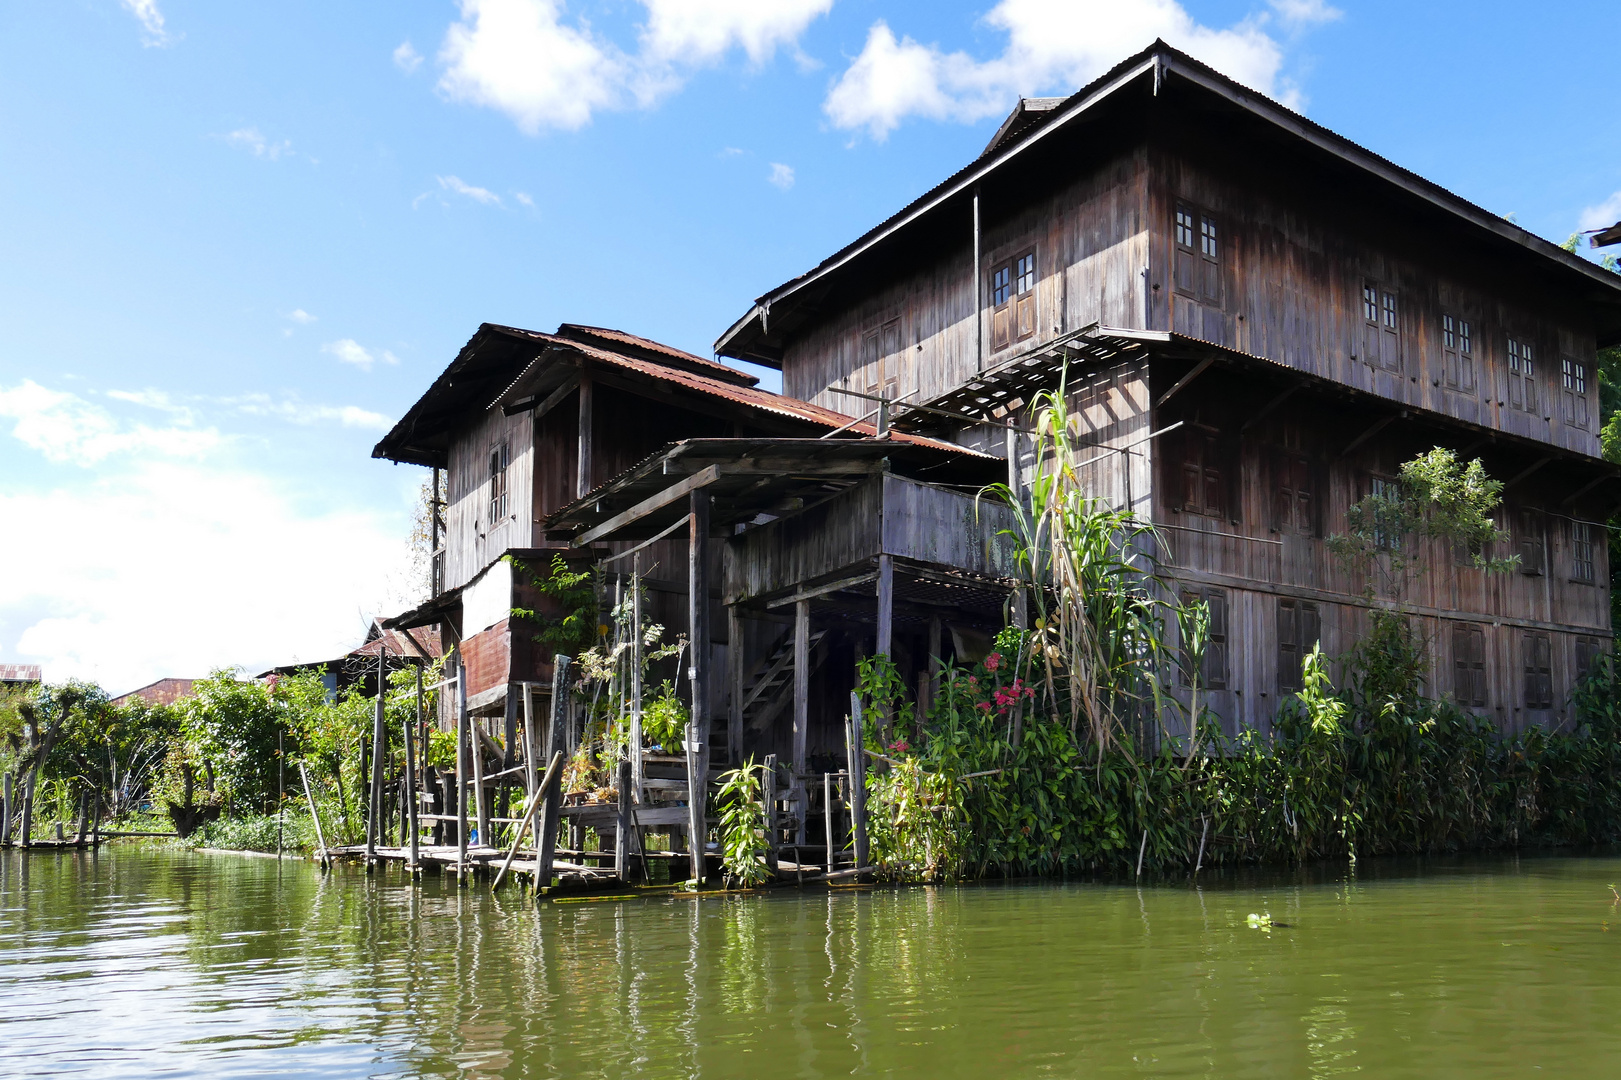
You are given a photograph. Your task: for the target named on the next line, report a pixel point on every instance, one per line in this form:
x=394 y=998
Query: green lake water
x=143 y=963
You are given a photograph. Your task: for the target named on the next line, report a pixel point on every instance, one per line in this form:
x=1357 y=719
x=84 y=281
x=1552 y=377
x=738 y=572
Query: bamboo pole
x=480 y=806
x=768 y=791
x=315 y=816
x=411 y=775
x=827 y=820
x=553 y=793
x=622 y=826
x=523 y=828
x=374 y=804
x=531 y=750
x=5 y=812
x=636 y=771
x=698 y=725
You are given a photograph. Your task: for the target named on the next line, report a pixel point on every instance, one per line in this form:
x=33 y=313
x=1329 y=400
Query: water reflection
x=132 y=962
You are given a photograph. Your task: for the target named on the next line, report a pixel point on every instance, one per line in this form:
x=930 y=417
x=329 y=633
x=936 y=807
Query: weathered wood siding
x=1256 y=560
x=917 y=335
x=1292 y=272
x=472 y=540
x=886 y=515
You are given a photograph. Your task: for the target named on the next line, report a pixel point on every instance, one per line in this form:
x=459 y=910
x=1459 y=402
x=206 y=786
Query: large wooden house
x=1256 y=320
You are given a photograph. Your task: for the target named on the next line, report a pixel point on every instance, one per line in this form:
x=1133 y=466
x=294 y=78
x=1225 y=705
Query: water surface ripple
x=141 y=963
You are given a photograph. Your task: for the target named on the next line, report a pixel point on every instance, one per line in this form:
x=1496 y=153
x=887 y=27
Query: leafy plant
x=742 y=825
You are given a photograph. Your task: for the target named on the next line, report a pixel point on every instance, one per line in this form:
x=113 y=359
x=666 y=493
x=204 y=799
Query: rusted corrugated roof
x=619 y=341
x=751 y=396
x=20 y=673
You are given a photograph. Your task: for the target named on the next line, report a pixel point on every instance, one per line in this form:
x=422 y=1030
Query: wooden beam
x=674 y=493
x=1373 y=429
x=1523 y=473
x=1258 y=415
x=734 y=675
x=886 y=603
x=801 y=686
x=556 y=738
x=823 y=590
x=1570 y=500
x=558 y=396
x=636 y=770
x=698 y=624
x=1198 y=369
x=583 y=461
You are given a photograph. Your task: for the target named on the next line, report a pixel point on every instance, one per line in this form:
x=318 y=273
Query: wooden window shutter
x=1185 y=675
x=1025 y=314
x=1587 y=651
x=1531 y=542
x=1184 y=256
x=1024 y=295
x=1215 y=657
x=1210 y=245
x=1469 y=666
x=1288 y=646
x=1538 y=653
x=1214 y=477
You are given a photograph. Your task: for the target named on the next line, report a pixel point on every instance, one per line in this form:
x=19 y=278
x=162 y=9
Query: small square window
x=1001 y=284
x=1581 y=551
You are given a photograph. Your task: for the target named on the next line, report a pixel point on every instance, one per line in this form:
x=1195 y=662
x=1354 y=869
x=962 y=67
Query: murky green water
x=135 y=963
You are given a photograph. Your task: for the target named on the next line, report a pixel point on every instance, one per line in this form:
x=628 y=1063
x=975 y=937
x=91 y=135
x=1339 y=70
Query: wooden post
x=374 y=805
x=84 y=819
x=858 y=781
x=734 y=676
x=622 y=827
x=698 y=726
x=827 y=820
x=886 y=621
x=480 y=805
x=531 y=745
x=584 y=470
x=411 y=776
x=936 y=647
x=768 y=792
x=315 y=815
x=552 y=793
x=551 y=814
x=461 y=767
x=509 y=749
x=800 y=762
x=28 y=808
x=886 y=604
x=5 y=812
x=636 y=768
x=523 y=826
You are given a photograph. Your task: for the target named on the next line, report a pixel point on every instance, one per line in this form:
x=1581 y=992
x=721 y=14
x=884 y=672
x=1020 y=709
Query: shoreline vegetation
x=1079 y=745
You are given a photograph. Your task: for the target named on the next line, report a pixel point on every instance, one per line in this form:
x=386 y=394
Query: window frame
x=1213 y=670
x=1531 y=540
x=1521 y=372
x=1014 y=315
x=1197 y=255
x=1573 y=383
x=1469 y=689
x=1203 y=463
x=1305 y=619
x=1537 y=662
x=1381 y=326
x=1458 y=353
x=1583 y=553
x=500 y=459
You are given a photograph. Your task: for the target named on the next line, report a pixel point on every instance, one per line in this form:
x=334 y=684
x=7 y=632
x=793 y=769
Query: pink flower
x=993 y=661
x=972 y=681
x=985 y=706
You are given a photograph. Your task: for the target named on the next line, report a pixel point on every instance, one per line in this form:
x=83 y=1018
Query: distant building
x=358 y=666
x=19 y=675
x=162 y=692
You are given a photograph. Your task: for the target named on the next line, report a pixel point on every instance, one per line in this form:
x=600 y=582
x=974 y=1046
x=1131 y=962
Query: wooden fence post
x=374 y=805
x=858 y=781
x=411 y=775
x=768 y=792
x=552 y=793
x=461 y=768
x=698 y=726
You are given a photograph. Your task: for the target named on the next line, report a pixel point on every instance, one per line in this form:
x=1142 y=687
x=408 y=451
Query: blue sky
x=240 y=240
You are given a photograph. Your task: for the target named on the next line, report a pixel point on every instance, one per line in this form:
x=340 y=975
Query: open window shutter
x=1226 y=451
x=1215 y=656
x=1288 y=645
x=1025 y=303
x=1282 y=493
x=1182 y=269
x=1210 y=280
x=1311 y=628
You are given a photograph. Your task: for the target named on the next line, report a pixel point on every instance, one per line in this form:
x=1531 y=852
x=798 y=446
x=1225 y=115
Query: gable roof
x=1035 y=138
x=512 y=368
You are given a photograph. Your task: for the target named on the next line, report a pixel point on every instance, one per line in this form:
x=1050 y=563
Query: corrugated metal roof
x=619 y=340
x=23 y=673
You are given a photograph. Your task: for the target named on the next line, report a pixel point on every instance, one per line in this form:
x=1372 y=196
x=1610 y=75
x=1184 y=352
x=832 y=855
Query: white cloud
x=1299 y=14
x=146 y=12
x=1603 y=215
x=1052 y=45
x=254 y=142
x=406 y=57
x=524 y=199
x=350 y=351
x=477 y=194
x=300 y=316
x=296 y=411
x=702 y=32
x=520 y=57
x=69 y=430
x=782 y=176
x=216 y=561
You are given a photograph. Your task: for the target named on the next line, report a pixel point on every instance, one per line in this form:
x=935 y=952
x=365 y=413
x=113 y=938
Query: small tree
x=1392 y=533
